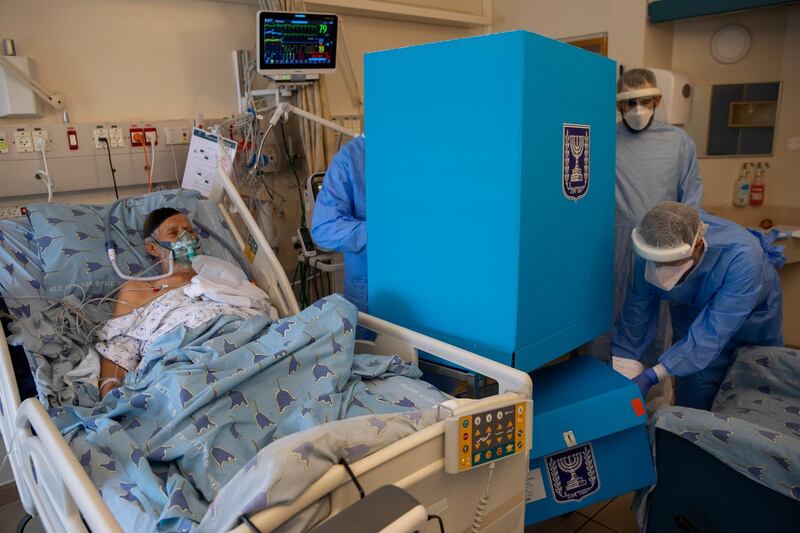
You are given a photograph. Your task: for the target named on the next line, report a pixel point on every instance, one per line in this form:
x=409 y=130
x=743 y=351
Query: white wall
x=623 y=21
x=129 y=60
x=775 y=41
x=162 y=59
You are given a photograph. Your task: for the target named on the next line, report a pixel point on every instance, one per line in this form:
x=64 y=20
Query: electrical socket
x=39 y=133
x=176 y=136
x=12 y=212
x=100 y=131
x=23 y=140
x=116 y=137
x=150 y=136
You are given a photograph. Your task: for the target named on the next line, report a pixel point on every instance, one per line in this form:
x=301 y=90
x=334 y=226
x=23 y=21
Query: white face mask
x=638 y=117
x=665 y=277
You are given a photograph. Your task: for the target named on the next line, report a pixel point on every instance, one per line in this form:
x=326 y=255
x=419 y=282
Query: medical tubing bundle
x=111 y=250
x=236 y=255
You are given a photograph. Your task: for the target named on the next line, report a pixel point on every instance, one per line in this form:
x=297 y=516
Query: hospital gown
x=653 y=166
x=340 y=215
x=124 y=339
x=730 y=299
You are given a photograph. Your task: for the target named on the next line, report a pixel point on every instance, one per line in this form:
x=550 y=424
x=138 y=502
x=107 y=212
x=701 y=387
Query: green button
x=466 y=423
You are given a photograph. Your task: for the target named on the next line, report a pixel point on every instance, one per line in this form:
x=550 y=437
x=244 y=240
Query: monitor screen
x=296 y=43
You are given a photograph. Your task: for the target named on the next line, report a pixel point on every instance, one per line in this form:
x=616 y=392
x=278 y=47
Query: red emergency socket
x=72 y=138
x=137 y=136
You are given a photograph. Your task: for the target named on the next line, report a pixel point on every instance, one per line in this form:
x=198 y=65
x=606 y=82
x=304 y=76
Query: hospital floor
x=10 y=515
x=603 y=517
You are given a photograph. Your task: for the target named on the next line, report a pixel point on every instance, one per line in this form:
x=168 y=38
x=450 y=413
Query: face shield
x=660 y=269
x=637 y=106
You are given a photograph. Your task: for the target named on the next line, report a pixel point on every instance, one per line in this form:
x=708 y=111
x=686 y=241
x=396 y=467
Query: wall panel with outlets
x=78 y=161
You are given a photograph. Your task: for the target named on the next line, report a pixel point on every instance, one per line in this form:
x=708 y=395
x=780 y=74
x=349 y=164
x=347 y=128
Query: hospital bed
x=53 y=485
x=735 y=467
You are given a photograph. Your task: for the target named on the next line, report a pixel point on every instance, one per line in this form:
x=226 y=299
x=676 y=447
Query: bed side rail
x=508 y=379
x=9 y=394
x=50 y=465
x=267 y=270
x=9 y=406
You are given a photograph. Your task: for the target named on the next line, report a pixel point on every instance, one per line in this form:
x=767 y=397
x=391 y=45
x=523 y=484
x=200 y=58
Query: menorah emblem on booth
x=575 y=161
x=571 y=465
x=573 y=473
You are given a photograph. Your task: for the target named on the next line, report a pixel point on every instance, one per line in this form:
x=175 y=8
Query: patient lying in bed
x=147 y=309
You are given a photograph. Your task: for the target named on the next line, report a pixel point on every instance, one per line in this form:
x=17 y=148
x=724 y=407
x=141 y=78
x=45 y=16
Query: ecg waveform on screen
x=297 y=44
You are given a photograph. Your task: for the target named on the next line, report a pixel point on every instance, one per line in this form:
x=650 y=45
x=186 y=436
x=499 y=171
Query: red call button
x=465 y=436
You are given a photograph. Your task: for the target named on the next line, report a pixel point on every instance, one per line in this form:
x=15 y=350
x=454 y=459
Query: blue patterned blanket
x=204 y=401
x=754 y=424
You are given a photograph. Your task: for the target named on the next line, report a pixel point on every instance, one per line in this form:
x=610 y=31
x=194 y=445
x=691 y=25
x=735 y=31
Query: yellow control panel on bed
x=477 y=438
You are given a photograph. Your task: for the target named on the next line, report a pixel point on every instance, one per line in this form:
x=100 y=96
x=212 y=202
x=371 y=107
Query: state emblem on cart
x=575 y=161
x=573 y=474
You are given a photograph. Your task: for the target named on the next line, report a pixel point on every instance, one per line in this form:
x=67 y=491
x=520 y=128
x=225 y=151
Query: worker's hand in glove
x=645 y=380
x=630 y=368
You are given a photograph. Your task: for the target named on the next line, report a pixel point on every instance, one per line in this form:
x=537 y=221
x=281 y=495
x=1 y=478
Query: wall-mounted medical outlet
x=116 y=136
x=176 y=135
x=3 y=143
x=41 y=137
x=137 y=136
x=100 y=131
x=72 y=139
x=23 y=140
x=12 y=212
x=150 y=136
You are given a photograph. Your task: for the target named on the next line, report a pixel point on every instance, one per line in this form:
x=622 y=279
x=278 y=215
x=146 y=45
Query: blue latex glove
x=645 y=380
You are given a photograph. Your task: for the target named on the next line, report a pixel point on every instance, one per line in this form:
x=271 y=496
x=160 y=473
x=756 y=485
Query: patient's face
x=174 y=226
x=168 y=231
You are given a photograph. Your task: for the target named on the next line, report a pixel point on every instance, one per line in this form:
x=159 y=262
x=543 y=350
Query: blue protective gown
x=340 y=215
x=730 y=299
x=653 y=166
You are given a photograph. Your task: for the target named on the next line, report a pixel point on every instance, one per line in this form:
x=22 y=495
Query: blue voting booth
x=490 y=213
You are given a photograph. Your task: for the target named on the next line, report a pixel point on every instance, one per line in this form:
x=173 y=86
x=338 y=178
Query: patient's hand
x=111 y=376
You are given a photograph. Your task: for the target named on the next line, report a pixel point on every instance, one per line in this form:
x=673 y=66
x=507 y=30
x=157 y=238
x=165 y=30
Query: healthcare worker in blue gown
x=723 y=290
x=340 y=215
x=655 y=162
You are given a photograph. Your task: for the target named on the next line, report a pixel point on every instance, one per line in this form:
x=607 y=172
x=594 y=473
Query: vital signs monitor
x=294 y=45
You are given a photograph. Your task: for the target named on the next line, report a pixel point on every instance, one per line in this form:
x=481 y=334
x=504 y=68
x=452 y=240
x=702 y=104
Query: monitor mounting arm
x=283 y=109
x=55 y=100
